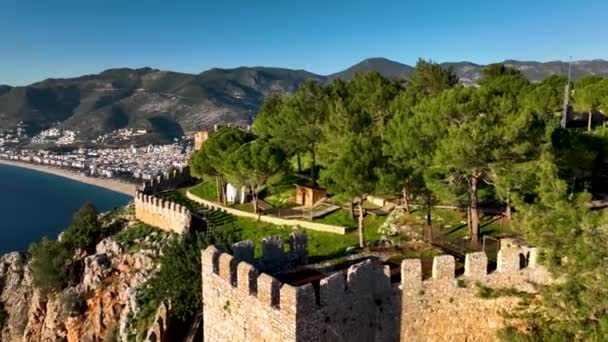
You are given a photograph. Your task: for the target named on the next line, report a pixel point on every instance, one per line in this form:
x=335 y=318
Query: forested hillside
x=167 y=104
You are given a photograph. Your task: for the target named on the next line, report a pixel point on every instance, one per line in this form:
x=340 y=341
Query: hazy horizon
x=70 y=38
x=95 y=72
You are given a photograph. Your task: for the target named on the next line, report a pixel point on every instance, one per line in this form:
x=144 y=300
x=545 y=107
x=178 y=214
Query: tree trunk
x=589 y=119
x=223 y=186
x=361 y=228
x=313 y=166
x=299 y=162
x=572 y=189
x=473 y=207
x=429 y=220
x=351 y=209
x=406 y=202
x=255 y=200
x=218 y=192
x=429 y=208
x=508 y=209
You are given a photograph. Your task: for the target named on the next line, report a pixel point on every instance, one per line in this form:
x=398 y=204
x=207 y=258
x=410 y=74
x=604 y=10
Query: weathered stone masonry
x=161 y=213
x=274 y=258
x=448 y=308
x=243 y=304
x=174 y=180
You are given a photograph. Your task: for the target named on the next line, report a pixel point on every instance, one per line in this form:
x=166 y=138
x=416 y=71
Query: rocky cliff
x=99 y=304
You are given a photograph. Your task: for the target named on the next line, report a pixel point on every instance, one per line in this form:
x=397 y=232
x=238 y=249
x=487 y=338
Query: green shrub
x=131 y=237
x=49 y=264
x=85 y=230
x=51 y=259
x=74 y=303
x=148 y=304
x=206 y=190
x=179 y=279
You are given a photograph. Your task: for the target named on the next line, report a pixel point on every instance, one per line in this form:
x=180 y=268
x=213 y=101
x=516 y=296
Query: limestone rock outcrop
x=97 y=307
x=394 y=231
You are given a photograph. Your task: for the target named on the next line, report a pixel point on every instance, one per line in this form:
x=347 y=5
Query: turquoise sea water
x=36 y=204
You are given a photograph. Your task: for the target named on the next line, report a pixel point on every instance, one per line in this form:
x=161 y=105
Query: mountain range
x=168 y=104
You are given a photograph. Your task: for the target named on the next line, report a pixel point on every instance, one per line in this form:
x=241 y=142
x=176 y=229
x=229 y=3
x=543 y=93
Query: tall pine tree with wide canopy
x=294 y=123
x=254 y=164
x=358 y=112
x=409 y=139
x=350 y=171
x=212 y=158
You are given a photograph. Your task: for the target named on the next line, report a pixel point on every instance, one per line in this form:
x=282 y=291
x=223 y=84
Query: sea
x=35 y=204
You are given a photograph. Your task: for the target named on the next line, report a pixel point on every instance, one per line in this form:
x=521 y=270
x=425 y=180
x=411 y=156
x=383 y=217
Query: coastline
x=109 y=184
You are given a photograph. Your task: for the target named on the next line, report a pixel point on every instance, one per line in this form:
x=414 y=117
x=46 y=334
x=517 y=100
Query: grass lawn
x=340 y=199
x=279 y=194
x=205 y=190
x=282 y=192
x=324 y=246
x=179 y=197
x=342 y=218
x=338 y=218
x=454 y=223
x=321 y=246
x=248 y=207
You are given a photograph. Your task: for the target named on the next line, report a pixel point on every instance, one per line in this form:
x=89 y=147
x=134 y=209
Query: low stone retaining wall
x=327 y=228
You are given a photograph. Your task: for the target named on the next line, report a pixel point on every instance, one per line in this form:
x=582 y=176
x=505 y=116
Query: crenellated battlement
x=511 y=259
x=242 y=274
x=275 y=259
x=162 y=213
x=269 y=291
x=177 y=178
x=358 y=304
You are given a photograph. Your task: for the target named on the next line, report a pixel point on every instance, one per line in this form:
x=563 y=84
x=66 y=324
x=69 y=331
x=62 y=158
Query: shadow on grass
x=486 y=220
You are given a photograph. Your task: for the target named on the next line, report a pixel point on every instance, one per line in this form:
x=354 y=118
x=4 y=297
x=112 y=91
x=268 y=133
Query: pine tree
x=254 y=164
x=573 y=240
x=587 y=96
x=294 y=123
x=211 y=159
x=350 y=171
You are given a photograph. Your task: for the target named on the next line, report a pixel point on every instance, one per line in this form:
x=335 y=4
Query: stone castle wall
x=161 y=213
x=241 y=303
x=446 y=307
x=174 y=180
x=274 y=258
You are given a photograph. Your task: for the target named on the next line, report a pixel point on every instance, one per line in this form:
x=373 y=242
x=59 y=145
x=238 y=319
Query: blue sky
x=63 y=38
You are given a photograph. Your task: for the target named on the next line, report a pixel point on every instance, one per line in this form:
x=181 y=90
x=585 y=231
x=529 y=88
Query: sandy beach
x=110 y=184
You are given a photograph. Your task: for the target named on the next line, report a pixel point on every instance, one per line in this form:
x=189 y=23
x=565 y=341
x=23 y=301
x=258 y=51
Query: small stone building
x=308 y=196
